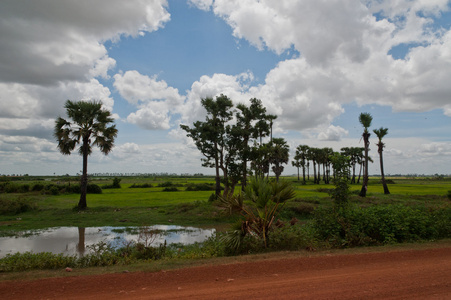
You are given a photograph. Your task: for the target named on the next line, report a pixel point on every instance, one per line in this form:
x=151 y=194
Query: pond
x=74 y=240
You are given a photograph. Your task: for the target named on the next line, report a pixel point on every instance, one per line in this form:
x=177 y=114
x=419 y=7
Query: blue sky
x=315 y=64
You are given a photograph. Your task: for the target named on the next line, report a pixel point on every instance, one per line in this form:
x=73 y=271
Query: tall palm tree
x=88 y=125
x=365 y=119
x=380 y=133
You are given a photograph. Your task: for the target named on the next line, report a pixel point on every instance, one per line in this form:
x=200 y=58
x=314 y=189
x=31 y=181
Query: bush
x=377 y=225
x=449 y=195
x=37 y=187
x=170 y=189
x=16 y=206
x=94 y=189
x=144 y=185
x=192 y=187
x=115 y=185
x=166 y=184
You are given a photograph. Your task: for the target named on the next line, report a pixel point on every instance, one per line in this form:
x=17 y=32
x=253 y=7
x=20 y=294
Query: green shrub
x=170 y=189
x=296 y=237
x=94 y=189
x=16 y=206
x=115 y=185
x=376 y=225
x=144 y=185
x=192 y=187
x=166 y=184
x=449 y=195
x=30 y=261
x=37 y=187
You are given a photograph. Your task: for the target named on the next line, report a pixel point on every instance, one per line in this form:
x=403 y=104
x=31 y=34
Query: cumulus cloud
x=344 y=52
x=135 y=87
x=156 y=101
x=54 y=51
x=45 y=42
x=332 y=133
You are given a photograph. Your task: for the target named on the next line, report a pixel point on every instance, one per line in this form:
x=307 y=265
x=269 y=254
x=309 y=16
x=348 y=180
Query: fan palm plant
x=259 y=204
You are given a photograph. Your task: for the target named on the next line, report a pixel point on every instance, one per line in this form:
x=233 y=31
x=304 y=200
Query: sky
x=316 y=64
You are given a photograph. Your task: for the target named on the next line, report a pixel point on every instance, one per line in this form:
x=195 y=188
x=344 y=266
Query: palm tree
x=380 y=133
x=87 y=125
x=365 y=119
x=279 y=155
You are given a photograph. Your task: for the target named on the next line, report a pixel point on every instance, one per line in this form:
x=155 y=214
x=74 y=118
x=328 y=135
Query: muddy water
x=74 y=240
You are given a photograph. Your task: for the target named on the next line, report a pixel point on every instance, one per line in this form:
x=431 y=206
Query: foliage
x=14 y=206
x=264 y=199
x=449 y=195
x=341 y=193
x=144 y=185
x=115 y=185
x=200 y=187
x=375 y=225
x=170 y=189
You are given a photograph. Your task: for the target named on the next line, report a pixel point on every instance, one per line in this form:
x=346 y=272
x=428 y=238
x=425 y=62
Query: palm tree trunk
x=84 y=177
x=384 y=184
x=365 y=170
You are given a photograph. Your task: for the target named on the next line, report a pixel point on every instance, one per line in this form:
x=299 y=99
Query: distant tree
x=89 y=125
x=279 y=155
x=365 y=119
x=380 y=133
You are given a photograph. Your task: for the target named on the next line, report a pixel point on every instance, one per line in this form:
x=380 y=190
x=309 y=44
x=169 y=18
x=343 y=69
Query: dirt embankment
x=412 y=274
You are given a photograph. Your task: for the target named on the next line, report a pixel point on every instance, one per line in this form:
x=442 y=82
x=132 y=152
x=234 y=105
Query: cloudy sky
x=316 y=64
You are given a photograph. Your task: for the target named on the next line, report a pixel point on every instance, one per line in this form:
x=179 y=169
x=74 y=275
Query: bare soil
x=405 y=274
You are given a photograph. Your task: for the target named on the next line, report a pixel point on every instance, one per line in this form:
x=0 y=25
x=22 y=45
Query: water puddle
x=73 y=240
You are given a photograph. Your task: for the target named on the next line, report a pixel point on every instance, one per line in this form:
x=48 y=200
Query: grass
x=149 y=206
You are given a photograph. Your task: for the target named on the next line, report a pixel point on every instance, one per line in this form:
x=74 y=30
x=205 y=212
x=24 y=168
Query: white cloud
x=332 y=133
x=45 y=42
x=152 y=115
x=136 y=88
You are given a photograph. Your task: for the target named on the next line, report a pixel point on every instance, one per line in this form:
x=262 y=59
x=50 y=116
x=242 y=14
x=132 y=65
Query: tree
x=252 y=124
x=380 y=133
x=300 y=160
x=88 y=125
x=365 y=119
x=210 y=136
x=279 y=155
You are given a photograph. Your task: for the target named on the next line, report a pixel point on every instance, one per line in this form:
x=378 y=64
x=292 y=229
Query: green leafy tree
x=252 y=123
x=365 y=119
x=341 y=192
x=380 y=133
x=88 y=125
x=210 y=136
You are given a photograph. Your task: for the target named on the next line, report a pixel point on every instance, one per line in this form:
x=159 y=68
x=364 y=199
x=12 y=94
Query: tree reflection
x=81 y=241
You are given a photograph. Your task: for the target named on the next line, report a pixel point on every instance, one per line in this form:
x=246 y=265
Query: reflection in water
x=74 y=241
x=81 y=241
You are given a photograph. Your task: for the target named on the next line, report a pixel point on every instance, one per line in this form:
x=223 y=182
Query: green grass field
x=147 y=206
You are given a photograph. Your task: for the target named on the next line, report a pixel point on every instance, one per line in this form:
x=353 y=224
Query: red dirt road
x=413 y=274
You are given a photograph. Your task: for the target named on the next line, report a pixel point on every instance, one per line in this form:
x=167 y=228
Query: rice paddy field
x=142 y=201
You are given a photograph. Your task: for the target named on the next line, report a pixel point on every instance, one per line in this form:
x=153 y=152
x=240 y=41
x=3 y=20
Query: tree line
x=235 y=141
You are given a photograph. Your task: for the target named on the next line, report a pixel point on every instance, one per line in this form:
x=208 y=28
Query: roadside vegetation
x=418 y=209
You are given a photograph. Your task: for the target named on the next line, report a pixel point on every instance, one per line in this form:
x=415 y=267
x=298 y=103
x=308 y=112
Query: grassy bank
x=153 y=205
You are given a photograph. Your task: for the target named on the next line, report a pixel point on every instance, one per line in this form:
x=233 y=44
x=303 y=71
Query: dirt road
x=413 y=274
